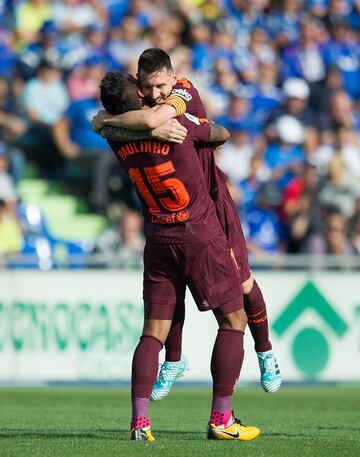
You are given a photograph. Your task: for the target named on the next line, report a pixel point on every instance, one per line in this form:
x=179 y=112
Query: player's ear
x=174 y=78
x=140 y=94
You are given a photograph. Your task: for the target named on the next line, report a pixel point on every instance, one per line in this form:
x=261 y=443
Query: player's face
x=157 y=86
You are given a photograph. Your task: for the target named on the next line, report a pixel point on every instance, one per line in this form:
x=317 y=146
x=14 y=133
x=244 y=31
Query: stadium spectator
x=342 y=111
x=166 y=36
x=7 y=55
x=353 y=17
x=8 y=193
x=355 y=227
x=87 y=154
x=44 y=100
x=343 y=53
x=83 y=82
x=266 y=96
x=123 y=243
x=45 y=97
x=202 y=61
x=151 y=13
x=125 y=43
x=301 y=213
x=303 y=222
x=306 y=181
x=12 y=127
x=340 y=190
x=30 y=15
x=249 y=187
x=11 y=238
x=239 y=111
x=259 y=50
x=333 y=241
x=73 y=16
x=296 y=96
x=46 y=47
x=347 y=144
x=262 y=225
x=285 y=156
x=224 y=84
x=337 y=12
x=235 y=156
x=306 y=59
x=283 y=22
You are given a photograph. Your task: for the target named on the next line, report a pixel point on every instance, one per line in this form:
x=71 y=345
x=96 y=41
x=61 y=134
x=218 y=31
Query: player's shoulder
x=185 y=83
x=184 y=89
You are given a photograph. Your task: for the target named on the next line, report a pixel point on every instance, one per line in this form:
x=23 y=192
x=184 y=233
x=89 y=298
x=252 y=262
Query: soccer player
x=185 y=246
x=172 y=97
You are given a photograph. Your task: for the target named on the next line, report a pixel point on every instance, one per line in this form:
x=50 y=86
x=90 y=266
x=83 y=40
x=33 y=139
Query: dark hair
x=154 y=60
x=47 y=64
x=118 y=93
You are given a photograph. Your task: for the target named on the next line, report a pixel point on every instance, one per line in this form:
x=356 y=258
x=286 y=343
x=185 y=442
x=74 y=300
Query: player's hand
x=171 y=131
x=98 y=121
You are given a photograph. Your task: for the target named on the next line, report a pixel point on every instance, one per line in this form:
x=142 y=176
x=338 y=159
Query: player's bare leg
x=255 y=309
x=226 y=362
x=144 y=371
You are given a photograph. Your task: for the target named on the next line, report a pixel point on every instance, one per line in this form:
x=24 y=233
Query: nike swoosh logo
x=232 y=435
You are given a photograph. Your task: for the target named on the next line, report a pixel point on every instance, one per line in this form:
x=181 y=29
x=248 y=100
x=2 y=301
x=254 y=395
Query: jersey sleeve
x=185 y=98
x=199 y=129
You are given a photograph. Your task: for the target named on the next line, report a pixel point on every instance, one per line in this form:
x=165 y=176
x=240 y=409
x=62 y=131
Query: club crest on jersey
x=183 y=93
x=192 y=118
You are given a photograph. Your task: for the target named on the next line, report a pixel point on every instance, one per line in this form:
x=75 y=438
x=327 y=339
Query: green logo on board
x=84 y=326
x=310 y=347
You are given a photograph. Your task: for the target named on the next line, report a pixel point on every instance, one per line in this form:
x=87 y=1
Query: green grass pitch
x=296 y=421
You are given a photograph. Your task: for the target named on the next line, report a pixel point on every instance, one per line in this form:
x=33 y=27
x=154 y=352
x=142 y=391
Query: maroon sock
x=145 y=366
x=255 y=309
x=221 y=410
x=174 y=339
x=226 y=361
x=140 y=407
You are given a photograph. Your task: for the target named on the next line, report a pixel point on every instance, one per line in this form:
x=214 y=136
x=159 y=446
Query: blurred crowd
x=282 y=75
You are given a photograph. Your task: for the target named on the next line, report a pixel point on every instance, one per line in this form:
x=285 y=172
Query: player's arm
x=207 y=132
x=147 y=119
x=218 y=135
x=171 y=131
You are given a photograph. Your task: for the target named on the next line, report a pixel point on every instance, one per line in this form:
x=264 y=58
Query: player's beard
x=158 y=101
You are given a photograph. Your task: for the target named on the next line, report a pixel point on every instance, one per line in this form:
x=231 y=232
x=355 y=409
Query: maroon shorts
x=229 y=219
x=206 y=267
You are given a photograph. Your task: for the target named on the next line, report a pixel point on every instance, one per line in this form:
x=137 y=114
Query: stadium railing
x=283 y=262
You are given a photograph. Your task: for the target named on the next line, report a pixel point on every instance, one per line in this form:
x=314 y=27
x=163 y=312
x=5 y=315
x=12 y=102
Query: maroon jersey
x=185 y=98
x=171 y=186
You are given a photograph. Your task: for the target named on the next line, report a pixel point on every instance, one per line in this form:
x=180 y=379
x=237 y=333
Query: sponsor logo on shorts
x=183 y=93
x=181 y=216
